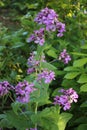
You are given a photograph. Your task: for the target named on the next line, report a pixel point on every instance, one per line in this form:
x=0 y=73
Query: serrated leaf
x=71 y=75
x=83 y=78
x=80 y=62
x=83 y=88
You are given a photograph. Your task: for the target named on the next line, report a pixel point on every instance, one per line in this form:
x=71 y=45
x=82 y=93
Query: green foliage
x=16 y=25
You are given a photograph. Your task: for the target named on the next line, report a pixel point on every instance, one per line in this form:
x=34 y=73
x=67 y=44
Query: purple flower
x=30 y=70
x=49 y=18
x=69 y=96
x=64 y=57
x=5 y=87
x=37 y=37
x=46 y=16
x=23 y=90
x=47 y=75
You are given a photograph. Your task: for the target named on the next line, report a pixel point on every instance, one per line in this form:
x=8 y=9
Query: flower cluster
x=32 y=62
x=64 y=57
x=49 y=18
x=47 y=75
x=37 y=37
x=5 y=87
x=23 y=90
x=69 y=96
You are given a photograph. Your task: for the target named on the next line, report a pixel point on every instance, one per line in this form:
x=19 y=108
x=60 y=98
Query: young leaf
x=83 y=88
x=71 y=75
x=52 y=53
x=71 y=68
x=83 y=78
x=48 y=66
x=80 y=62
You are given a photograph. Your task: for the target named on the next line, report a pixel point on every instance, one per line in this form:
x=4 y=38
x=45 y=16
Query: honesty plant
x=30 y=109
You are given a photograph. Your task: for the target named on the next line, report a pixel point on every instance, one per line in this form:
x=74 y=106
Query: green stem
x=36 y=112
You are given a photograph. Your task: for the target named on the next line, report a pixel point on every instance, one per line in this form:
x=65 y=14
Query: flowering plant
x=32 y=94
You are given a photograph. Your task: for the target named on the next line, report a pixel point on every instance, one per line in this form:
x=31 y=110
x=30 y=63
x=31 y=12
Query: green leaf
x=48 y=66
x=71 y=68
x=41 y=95
x=84 y=104
x=63 y=119
x=80 y=62
x=79 y=54
x=83 y=88
x=56 y=92
x=16 y=106
x=80 y=120
x=18 y=121
x=5 y=123
x=40 y=49
x=71 y=75
x=82 y=127
x=83 y=78
x=52 y=53
x=47 y=118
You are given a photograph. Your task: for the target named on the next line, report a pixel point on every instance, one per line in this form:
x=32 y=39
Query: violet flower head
x=5 y=87
x=46 y=16
x=30 y=70
x=49 y=18
x=37 y=37
x=69 y=96
x=23 y=90
x=48 y=76
x=64 y=57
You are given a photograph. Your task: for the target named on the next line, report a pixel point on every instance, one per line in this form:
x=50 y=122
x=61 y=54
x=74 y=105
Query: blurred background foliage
x=16 y=24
